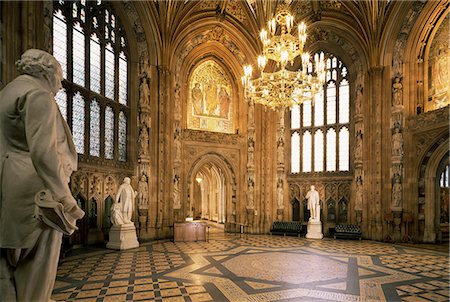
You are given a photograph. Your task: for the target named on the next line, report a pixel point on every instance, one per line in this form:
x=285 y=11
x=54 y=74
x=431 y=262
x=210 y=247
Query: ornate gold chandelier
x=284 y=88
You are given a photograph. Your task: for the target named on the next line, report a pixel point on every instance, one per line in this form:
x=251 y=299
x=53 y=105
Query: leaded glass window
x=122 y=137
x=90 y=44
x=307 y=146
x=78 y=122
x=295 y=117
x=61 y=100
x=295 y=151
x=95 y=63
x=94 y=144
x=60 y=39
x=344 y=149
x=323 y=125
x=318 y=151
x=109 y=133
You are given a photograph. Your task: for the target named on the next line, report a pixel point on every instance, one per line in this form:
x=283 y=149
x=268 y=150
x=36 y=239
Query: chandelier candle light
x=284 y=88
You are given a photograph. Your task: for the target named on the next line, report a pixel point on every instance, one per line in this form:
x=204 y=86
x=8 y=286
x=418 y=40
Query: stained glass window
x=122 y=79
x=109 y=133
x=109 y=72
x=344 y=102
x=295 y=153
x=318 y=109
x=444 y=179
x=307 y=113
x=78 y=55
x=344 y=156
x=90 y=44
x=60 y=40
x=295 y=117
x=331 y=150
x=61 y=100
x=307 y=146
x=78 y=122
x=122 y=137
x=325 y=123
x=94 y=142
x=95 y=63
x=318 y=151
x=331 y=103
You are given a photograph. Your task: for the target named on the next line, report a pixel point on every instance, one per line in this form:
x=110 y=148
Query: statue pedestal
x=314 y=230
x=122 y=237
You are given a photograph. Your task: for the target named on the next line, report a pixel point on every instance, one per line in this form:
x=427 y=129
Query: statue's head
x=127 y=180
x=41 y=64
x=313 y=188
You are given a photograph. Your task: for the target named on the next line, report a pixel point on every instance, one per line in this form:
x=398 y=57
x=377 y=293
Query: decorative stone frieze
x=211 y=137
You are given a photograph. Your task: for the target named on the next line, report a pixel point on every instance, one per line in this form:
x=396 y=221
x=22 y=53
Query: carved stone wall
x=334 y=201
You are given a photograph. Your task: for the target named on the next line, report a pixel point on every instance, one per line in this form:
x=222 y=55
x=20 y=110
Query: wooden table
x=189 y=231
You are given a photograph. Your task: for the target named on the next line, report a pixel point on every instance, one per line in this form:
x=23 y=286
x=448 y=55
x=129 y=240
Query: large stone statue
x=125 y=197
x=314 y=224
x=313 y=204
x=37 y=157
x=122 y=234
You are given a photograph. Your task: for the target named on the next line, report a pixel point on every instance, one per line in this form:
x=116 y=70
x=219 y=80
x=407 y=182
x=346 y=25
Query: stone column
x=374 y=139
x=177 y=180
x=397 y=129
x=358 y=150
x=163 y=220
x=280 y=166
x=250 y=207
x=143 y=146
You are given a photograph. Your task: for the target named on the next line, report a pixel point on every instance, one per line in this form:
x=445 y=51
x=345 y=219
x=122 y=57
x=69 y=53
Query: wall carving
x=428 y=121
x=320 y=34
x=211 y=137
x=400 y=43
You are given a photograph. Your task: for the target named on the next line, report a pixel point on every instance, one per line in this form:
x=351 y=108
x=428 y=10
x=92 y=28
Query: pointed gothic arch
x=221 y=181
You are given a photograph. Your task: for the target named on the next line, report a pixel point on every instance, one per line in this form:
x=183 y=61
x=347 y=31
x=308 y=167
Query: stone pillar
x=280 y=166
x=358 y=150
x=397 y=222
x=374 y=139
x=144 y=131
x=250 y=207
x=397 y=127
x=143 y=216
x=163 y=220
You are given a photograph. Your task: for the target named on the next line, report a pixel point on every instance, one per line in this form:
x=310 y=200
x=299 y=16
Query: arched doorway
x=212 y=190
x=442 y=201
x=433 y=166
x=209 y=196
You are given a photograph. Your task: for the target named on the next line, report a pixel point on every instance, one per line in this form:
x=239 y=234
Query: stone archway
x=430 y=179
x=212 y=189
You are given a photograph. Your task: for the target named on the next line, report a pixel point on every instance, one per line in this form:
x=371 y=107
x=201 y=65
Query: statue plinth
x=122 y=237
x=314 y=229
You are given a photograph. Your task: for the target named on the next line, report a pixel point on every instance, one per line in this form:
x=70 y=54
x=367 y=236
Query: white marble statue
x=125 y=197
x=116 y=214
x=37 y=157
x=313 y=204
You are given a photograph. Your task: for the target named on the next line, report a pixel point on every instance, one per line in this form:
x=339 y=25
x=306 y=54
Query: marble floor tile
x=256 y=268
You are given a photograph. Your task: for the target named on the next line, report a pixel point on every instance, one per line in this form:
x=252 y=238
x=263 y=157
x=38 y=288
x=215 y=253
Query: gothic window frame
x=100 y=19
x=337 y=73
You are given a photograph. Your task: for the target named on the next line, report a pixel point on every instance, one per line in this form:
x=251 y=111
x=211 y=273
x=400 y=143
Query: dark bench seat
x=286 y=228
x=347 y=231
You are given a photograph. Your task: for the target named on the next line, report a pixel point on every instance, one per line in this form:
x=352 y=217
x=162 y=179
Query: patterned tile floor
x=256 y=268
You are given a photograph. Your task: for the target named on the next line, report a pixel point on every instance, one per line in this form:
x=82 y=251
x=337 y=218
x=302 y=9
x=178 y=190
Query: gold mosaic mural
x=210 y=106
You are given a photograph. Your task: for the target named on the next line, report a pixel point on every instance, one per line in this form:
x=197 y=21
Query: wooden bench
x=347 y=231
x=286 y=228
